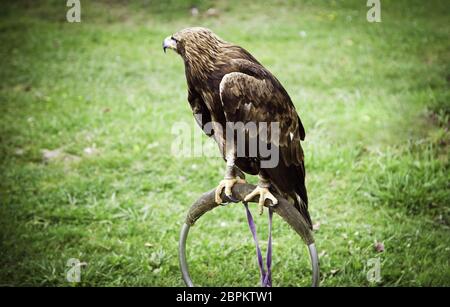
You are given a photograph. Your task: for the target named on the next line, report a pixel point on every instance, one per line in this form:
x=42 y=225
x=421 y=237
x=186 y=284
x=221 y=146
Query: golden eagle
x=226 y=84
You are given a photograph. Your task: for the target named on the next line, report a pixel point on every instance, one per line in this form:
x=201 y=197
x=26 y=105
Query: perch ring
x=206 y=203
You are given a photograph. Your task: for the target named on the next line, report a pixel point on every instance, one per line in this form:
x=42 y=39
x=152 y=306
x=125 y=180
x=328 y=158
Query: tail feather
x=301 y=199
x=302 y=207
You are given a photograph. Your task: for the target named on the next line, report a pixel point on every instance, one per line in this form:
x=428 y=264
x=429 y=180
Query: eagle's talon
x=260 y=209
x=227 y=184
x=264 y=194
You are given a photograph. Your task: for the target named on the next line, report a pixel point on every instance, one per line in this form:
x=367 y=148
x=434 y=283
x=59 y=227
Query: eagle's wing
x=200 y=111
x=253 y=94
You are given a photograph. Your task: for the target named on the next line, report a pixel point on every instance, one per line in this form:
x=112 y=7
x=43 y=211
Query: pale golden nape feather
x=201 y=49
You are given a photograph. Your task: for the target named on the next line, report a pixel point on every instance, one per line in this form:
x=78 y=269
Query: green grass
x=374 y=99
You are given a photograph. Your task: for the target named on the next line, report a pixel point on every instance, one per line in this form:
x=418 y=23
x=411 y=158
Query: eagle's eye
x=174 y=39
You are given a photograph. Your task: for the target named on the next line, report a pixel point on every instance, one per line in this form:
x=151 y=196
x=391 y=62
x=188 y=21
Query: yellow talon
x=226 y=184
x=264 y=194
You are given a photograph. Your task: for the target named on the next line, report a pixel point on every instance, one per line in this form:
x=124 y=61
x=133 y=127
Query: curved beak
x=169 y=43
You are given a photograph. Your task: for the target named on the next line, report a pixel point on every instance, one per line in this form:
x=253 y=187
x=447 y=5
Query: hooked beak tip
x=169 y=43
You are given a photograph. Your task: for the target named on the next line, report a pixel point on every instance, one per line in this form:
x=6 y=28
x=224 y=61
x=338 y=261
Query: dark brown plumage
x=227 y=84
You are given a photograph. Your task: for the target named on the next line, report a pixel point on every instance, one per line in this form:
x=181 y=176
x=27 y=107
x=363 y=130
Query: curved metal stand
x=284 y=209
x=182 y=255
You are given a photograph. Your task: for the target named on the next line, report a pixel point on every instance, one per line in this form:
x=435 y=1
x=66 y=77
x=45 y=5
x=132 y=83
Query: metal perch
x=288 y=212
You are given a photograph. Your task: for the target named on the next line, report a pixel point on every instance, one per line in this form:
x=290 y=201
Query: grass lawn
x=87 y=170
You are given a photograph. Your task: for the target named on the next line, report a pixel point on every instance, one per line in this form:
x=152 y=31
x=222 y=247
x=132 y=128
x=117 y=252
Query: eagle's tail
x=301 y=195
x=302 y=207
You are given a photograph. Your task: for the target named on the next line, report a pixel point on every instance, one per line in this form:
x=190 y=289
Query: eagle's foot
x=227 y=184
x=264 y=194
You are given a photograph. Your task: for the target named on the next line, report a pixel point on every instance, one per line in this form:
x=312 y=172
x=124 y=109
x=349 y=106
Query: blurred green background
x=87 y=170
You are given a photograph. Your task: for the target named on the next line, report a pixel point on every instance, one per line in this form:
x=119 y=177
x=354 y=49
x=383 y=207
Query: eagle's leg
x=233 y=175
x=263 y=191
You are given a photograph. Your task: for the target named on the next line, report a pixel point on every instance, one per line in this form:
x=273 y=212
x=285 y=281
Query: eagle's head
x=190 y=42
x=200 y=48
